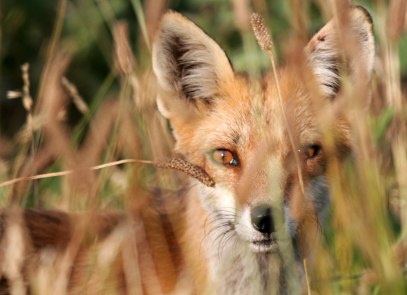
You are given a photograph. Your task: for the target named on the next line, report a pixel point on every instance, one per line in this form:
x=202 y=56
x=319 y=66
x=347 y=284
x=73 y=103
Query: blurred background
x=84 y=29
x=108 y=113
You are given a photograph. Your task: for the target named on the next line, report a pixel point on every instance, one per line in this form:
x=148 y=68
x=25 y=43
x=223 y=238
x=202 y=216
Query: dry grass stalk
x=153 y=10
x=300 y=18
x=393 y=30
x=261 y=6
x=25 y=133
x=56 y=136
x=28 y=104
x=390 y=28
x=52 y=49
x=396 y=19
x=400 y=166
x=131 y=147
x=160 y=143
x=100 y=129
x=125 y=62
x=15 y=246
x=76 y=98
x=107 y=254
x=131 y=265
x=241 y=14
x=68 y=172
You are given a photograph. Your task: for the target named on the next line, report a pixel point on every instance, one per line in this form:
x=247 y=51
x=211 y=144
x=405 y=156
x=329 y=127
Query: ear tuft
x=189 y=65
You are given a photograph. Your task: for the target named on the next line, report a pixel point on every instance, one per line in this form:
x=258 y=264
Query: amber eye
x=309 y=152
x=224 y=157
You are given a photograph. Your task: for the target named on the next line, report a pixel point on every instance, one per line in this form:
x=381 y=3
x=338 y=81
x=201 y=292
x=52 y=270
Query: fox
x=264 y=148
x=239 y=133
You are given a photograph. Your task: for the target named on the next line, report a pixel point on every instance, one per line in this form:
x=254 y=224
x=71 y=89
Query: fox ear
x=189 y=66
x=325 y=55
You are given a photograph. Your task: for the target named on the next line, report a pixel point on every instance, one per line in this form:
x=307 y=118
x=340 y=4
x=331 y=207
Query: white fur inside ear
x=324 y=53
x=324 y=61
x=187 y=62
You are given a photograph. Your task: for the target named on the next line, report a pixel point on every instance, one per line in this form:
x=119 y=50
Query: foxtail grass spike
x=260 y=31
x=188 y=168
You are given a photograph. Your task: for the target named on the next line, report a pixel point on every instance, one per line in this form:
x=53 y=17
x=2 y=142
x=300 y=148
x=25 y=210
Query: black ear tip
x=366 y=14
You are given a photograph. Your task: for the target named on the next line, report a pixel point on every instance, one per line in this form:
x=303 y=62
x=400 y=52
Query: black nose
x=262 y=220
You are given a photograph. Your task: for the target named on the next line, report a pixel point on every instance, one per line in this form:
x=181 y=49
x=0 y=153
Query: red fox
x=261 y=152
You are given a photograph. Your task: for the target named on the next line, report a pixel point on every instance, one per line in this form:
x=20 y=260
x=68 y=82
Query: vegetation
x=105 y=111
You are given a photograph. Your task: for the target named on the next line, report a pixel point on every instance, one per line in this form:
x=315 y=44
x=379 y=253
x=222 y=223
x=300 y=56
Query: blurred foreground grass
x=364 y=245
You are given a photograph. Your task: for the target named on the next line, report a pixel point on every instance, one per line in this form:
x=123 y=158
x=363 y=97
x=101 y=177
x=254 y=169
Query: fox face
x=268 y=156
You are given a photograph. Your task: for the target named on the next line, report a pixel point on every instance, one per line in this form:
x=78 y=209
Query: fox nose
x=262 y=220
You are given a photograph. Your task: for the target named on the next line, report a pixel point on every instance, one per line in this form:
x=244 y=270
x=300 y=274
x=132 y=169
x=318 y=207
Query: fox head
x=261 y=151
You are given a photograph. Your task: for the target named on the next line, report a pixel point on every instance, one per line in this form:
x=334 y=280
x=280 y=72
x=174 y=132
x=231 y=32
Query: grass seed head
x=188 y=168
x=260 y=31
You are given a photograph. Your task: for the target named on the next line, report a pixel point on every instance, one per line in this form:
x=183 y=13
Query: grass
x=364 y=245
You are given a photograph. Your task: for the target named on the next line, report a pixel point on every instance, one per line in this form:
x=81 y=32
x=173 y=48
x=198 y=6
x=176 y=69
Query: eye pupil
x=224 y=157
x=309 y=152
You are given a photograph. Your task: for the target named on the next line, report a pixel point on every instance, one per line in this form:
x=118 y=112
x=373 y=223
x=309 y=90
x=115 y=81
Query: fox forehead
x=246 y=116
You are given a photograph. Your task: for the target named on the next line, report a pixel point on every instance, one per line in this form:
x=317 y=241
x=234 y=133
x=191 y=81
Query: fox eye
x=309 y=152
x=224 y=157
